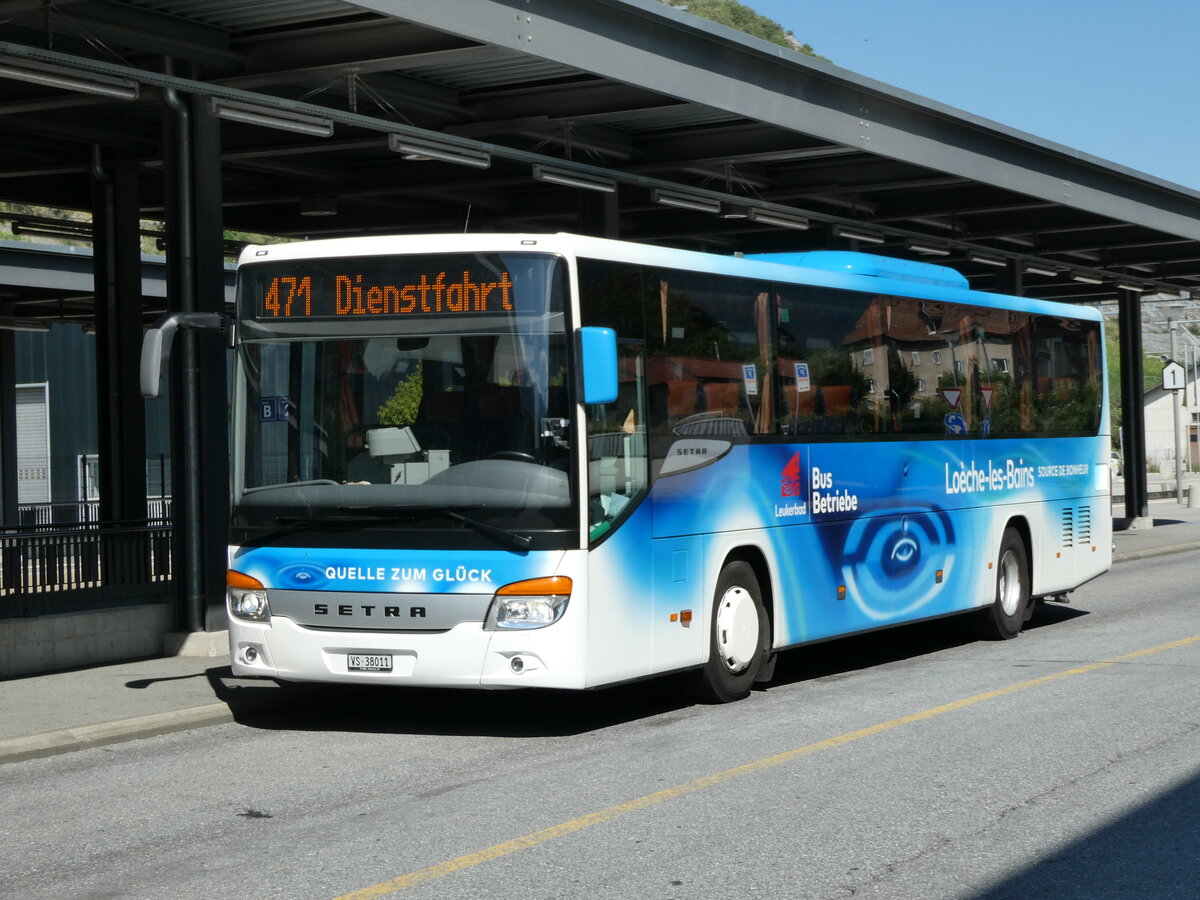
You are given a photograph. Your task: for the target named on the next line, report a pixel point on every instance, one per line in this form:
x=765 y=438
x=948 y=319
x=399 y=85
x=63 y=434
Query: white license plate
x=364 y=662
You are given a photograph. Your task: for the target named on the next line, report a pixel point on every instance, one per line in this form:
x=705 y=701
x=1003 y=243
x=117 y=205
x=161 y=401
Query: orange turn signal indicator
x=556 y=585
x=242 y=581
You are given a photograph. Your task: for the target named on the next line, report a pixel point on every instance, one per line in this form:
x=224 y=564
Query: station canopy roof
x=404 y=116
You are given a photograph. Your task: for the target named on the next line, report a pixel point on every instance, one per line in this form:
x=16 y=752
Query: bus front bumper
x=464 y=656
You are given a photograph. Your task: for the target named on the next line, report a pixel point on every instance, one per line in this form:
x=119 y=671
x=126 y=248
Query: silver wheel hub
x=1008 y=588
x=737 y=629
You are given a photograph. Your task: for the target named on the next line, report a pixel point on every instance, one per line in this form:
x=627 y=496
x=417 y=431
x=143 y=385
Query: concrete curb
x=1149 y=552
x=67 y=740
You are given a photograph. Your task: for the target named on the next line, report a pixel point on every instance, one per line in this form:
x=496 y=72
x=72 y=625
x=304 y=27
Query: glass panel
x=1067 y=389
x=822 y=337
x=711 y=355
x=445 y=412
x=617 y=465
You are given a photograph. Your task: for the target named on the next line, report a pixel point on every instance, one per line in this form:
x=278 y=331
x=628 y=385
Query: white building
x=1158 y=407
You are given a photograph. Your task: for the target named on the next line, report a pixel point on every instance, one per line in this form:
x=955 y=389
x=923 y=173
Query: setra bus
x=565 y=462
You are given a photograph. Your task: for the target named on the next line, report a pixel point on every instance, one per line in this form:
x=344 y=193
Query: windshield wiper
x=520 y=541
x=288 y=484
x=365 y=515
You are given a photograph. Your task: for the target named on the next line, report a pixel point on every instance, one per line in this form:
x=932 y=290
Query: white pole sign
x=1173 y=376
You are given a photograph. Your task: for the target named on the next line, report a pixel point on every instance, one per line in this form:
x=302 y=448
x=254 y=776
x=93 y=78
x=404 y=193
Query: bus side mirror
x=156 y=344
x=598 y=360
x=152 y=361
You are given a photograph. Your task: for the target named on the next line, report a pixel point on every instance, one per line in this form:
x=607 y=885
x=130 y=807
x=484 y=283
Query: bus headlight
x=247 y=597
x=529 y=604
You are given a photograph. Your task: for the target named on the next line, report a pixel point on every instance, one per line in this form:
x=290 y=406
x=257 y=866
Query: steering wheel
x=516 y=455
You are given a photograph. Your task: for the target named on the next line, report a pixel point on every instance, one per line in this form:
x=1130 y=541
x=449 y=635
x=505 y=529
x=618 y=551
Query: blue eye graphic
x=901 y=552
x=300 y=575
x=889 y=561
x=904 y=550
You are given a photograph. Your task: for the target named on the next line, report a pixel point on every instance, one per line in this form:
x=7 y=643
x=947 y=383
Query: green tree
x=400 y=409
x=744 y=19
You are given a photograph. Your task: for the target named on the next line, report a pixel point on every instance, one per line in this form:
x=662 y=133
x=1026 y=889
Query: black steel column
x=1133 y=420
x=199 y=439
x=1010 y=279
x=213 y=361
x=599 y=214
x=8 y=429
x=118 y=290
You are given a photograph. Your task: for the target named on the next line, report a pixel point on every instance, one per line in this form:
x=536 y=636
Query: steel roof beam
x=137 y=29
x=379 y=45
x=650 y=43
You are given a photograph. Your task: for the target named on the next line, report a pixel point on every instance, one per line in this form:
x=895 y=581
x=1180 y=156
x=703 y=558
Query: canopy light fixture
x=734 y=211
x=928 y=249
x=1041 y=270
x=9 y=324
x=1140 y=288
x=68 y=231
x=682 y=200
x=986 y=260
x=858 y=234
x=68 y=79
x=571 y=178
x=425 y=149
x=268 y=117
x=1086 y=279
x=779 y=219
x=318 y=206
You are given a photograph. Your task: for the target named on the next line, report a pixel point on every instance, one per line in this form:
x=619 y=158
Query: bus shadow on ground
x=533 y=713
x=515 y=713
x=842 y=657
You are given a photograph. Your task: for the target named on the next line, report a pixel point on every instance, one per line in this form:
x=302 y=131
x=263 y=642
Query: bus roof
x=848 y=270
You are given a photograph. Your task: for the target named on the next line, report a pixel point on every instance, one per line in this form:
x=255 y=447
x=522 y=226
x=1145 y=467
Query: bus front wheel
x=1004 y=618
x=739 y=638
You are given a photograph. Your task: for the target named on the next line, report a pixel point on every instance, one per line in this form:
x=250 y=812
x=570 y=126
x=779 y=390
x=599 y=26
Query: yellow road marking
x=496 y=851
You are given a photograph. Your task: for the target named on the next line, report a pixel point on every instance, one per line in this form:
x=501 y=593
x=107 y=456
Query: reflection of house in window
x=33 y=443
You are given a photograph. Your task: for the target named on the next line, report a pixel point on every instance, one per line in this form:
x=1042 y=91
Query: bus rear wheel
x=1008 y=612
x=739 y=640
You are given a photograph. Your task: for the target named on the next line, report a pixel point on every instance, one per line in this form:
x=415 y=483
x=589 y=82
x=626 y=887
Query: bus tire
x=739 y=638
x=1010 y=610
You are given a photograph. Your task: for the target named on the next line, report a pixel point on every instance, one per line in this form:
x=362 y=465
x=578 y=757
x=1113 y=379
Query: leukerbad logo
x=789 y=483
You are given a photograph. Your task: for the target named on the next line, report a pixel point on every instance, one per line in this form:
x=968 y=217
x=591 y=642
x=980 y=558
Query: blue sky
x=1113 y=78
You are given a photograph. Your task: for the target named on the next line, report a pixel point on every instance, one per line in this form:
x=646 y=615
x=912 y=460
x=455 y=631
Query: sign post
x=1173 y=381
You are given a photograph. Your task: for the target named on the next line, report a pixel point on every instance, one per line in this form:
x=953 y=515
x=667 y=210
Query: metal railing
x=47 y=569
x=76 y=512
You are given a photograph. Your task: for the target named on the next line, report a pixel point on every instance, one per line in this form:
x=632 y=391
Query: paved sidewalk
x=47 y=714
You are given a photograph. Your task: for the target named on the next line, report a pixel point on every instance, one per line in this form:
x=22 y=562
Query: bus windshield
x=402 y=414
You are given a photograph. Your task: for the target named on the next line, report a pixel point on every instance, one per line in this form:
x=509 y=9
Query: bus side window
x=616 y=441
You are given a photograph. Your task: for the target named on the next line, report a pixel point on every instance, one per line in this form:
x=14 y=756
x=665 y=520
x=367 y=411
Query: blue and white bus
x=554 y=461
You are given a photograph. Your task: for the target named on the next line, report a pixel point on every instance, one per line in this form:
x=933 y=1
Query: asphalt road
x=910 y=763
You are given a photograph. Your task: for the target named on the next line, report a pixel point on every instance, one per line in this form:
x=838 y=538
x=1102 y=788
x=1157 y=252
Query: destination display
x=378 y=287
x=293 y=297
